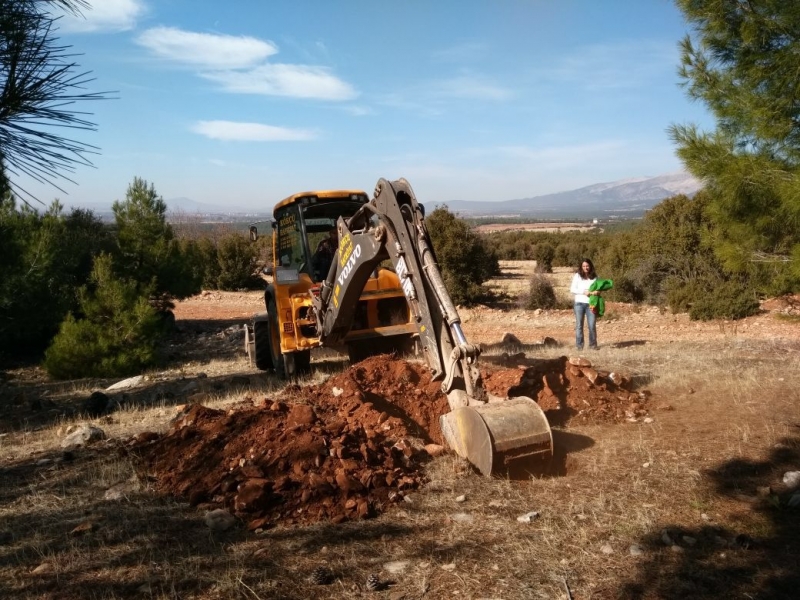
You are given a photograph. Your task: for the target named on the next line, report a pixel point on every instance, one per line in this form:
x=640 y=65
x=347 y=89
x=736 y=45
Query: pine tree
x=743 y=61
x=39 y=84
x=148 y=250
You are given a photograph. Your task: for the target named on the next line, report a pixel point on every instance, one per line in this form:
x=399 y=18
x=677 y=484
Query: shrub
x=543 y=254
x=236 y=257
x=117 y=334
x=540 y=293
x=465 y=259
x=706 y=299
x=46 y=258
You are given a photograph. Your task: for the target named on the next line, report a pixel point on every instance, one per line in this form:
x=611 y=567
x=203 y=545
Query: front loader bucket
x=499 y=432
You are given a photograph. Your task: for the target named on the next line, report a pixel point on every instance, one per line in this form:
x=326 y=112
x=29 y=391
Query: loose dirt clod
x=341 y=450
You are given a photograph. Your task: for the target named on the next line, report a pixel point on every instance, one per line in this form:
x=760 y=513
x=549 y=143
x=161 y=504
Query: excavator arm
x=391 y=226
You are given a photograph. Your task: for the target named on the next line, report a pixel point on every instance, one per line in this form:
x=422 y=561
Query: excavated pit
x=347 y=448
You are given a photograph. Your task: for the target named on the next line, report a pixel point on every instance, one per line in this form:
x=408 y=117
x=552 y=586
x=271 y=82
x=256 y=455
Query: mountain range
x=623 y=198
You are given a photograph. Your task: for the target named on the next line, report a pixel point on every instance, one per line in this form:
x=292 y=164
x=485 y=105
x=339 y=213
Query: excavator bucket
x=498 y=433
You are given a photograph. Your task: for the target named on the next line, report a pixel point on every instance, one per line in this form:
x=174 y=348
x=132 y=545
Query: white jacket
x=580 y=287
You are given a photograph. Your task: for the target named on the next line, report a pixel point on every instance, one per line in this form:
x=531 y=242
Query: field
x=677 y=494
x=540 y=227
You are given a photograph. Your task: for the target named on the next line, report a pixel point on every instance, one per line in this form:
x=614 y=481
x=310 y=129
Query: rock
x=579 y=361
x=550 y=342
x=647 y=420
x=300 y=414
x=528 y=517
x=449 y=567
x=43 y=568
x=763 y=490
x=434 y=449
x=119 y=491
x=462 y=518
x=689 y=540
x=82 y=528
x=591 y=374
x=636 y=550
x=619 y=379
x=219 y=520
x=125 y=384
x=336 y=391
x=83 y=435
x=461 y=498
x=396 y=566
x=791 y=479
x=794 y=501
x=96 y=404
x=510 y=338
x=607 y=549
x=676 y=549
x=666 y=539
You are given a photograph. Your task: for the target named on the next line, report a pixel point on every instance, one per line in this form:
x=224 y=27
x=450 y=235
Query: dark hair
x=592 y=274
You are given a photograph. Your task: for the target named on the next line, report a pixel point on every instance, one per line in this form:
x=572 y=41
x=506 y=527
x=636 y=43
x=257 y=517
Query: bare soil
x=675 y=440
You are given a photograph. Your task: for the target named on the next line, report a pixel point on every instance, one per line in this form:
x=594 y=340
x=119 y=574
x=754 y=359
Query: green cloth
x=596 y=303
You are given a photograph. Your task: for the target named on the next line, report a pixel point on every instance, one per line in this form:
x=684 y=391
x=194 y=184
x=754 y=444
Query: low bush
x=540 y=293
x=116 y=334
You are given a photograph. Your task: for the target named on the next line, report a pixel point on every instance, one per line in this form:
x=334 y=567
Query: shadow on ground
x=760 y=559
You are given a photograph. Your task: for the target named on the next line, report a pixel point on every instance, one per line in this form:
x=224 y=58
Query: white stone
x=126 y=383
x=792 y=478
x=219 y=520
x=461 y=498
x=528 y=517
x=607 y=549
x=85 y=434
x=336 y=391
x=636 y=550
x=396 y=566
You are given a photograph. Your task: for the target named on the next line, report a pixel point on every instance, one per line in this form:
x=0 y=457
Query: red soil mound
x=343 y=449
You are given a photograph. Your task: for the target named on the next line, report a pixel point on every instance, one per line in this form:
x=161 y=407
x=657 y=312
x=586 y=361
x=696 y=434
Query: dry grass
x=726 y=416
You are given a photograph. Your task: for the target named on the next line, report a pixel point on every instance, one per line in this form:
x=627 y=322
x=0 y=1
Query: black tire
x=276 y=357
x=302 y=362
x=263 y=354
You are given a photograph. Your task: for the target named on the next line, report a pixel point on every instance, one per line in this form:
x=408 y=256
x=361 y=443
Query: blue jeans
x=582 y=309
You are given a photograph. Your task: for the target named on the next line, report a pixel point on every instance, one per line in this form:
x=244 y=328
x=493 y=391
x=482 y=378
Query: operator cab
x=304 y=225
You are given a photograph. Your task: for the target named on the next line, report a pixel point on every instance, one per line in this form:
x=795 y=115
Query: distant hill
x=624 y=198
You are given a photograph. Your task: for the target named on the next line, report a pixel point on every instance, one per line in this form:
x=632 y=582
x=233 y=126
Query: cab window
x=289 y=243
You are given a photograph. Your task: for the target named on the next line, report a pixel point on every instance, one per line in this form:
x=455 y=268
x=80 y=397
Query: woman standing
x=581 y=281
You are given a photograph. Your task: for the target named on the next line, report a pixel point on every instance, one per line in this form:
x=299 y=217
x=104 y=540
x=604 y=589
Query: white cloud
x=104 y=15
x=206 y=50
x=250 y=132
x=297 y=81
x=239 y=64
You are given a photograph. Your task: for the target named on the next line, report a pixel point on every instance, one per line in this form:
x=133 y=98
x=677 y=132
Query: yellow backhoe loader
x=378 y=288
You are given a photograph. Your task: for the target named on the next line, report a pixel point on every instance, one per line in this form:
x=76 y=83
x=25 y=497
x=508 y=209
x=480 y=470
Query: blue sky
x=243 y=103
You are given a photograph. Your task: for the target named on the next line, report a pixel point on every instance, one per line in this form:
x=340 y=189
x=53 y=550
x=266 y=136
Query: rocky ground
x=673 y=446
